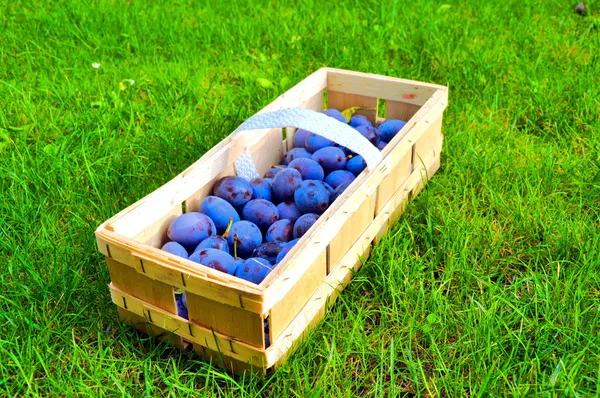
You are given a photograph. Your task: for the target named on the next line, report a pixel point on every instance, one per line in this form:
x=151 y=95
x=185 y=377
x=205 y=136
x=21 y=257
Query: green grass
x=488 y=284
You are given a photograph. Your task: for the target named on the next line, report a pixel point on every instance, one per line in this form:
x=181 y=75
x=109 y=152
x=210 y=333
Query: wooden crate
x=227 y=314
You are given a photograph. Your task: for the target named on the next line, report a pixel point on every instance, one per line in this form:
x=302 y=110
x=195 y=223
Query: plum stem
x=235 y=243
x=277 y=167
x=226 y=233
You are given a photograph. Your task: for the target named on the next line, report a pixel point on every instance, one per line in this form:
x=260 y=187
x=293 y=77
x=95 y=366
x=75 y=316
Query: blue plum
x=300 y=138
x=268 y=251
x=235 y=190
x=181 y=300
x=381 y=145
x=356 y=165
x=218 y=242
x=328 y=187
x=213 y=242
x=285 y=250
x=370 y=133
x=296 y=153
x=280 y=231
x=243 y=238
x=303 y=224
x=261 y=188
x=261 y=212
x=285 y=183
x=253 y=270
x=360 y=120
x=338 y=177
x=334 y=113
x=339 y=190
x=215 y=259
x=330 y=158
x=220 y=211
x=289 y=211
x=274 y=170
x=191 y=228
x=388 y=129
x=315 y=142
x=311 y=197
x=175 y=248
x=308 y=168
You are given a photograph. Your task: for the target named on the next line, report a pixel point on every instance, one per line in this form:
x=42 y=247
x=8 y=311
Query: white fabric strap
x=315 y=122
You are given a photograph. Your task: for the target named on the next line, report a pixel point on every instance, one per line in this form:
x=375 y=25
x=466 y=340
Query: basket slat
x=284 y=311
x=228 y=320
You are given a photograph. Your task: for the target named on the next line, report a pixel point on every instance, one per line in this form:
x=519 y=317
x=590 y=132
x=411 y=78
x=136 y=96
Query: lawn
x=488 y=284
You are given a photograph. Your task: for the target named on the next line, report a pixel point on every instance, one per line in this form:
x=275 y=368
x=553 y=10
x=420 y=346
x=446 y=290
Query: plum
x=308 y=168
x=356 y=165
x=218 y=242
x=215 y=259
x=370 y=133
x=235 y=190
x=381 y=145
x=328 y=187
x=280 y=231
x=181 y=301
x=268 y=250
x=243 y=238
x=289 y=211
x=285 y=183
x=261 y=212
x=189 y=229
x=334 y=113
x=338 y=177
x=175 y=248
x=360 y=120
x=330 y=158
x=220 y=211
x=274 y=170
x=296 y=153
x=315 y=142
x=303 y=224
x=311 y=197
x=341 y=188
x=261 y=188
x=300 y=138
x=286 y=248
x=388 y=129
x=254 y=270
x=213 y=242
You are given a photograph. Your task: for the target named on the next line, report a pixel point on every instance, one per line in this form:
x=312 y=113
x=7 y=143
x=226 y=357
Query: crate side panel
x=383 y=87
x=400 y=110
x=231 y=321
x=152 y=291
x=205 y=288
x=354 y=226
x=142 y=324
x=290 y=305
x=341 y=101
x=390 y=183
x=114 y=252
x=219 y=360
x=156 y=234
x=427 y=141
x=425 y=170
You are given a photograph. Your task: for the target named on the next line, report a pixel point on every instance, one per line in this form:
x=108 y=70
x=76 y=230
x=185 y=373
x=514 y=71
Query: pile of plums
x=245 y=228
